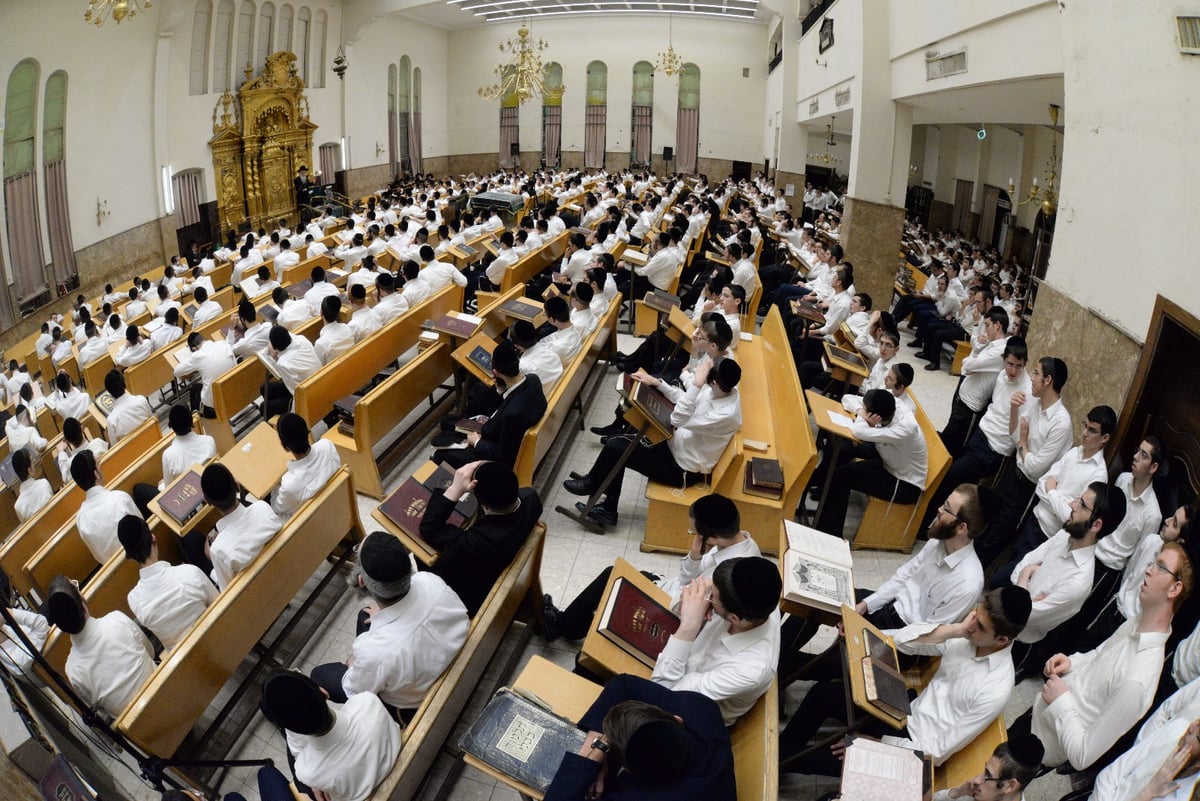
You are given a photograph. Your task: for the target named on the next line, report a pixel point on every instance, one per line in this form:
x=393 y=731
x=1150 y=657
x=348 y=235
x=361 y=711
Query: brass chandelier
x=99 y=10
x=669 y=63
x=825 y=158
x=1046 y=196
x=523 y=76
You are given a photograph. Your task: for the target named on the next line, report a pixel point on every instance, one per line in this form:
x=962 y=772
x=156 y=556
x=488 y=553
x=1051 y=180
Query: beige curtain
x=509 y=133
x=329 y=161
x=186 y=186
x=414 y=141
x=62 y=249
x=687 y=139
x=24 y=236
x=642 y=121
x=594 y=136
x=551 y=134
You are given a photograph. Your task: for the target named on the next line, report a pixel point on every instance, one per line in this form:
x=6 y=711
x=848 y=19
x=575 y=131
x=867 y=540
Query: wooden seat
x=968 y=762
x=534 y=262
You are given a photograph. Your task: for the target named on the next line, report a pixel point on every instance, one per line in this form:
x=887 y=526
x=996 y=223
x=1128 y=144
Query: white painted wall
x=838 y=67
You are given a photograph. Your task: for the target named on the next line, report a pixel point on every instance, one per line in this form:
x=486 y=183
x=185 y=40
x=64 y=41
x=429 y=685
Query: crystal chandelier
x=99 y=10
x=523 y=76
x=825 y=158
x=1047 y=195
x=669 y=63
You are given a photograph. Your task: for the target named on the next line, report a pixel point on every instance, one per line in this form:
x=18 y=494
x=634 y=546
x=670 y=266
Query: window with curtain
x=20 y=188
x=595 y=115
x=414 y=130
x=320 y=24
x=687 y=124
x=328 y=154
x=641 y=124
x=245 y=42
x=266 y=31
x=404 y=112
x=186 y=186
x=283 y=30
x=223 y=46
x=393 y=148
x=552 y=116
x=198 y=68
x=303 y=26
x=58 y=211
x=510 y=125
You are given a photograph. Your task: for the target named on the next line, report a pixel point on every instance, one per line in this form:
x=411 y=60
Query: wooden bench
x=232 y=392
x=894 y=526
x=770 y=392
x=534 y=262
x=519 y=586
x=181 y=688
x=94 y=372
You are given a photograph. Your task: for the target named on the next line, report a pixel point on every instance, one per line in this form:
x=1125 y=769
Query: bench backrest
x=233 y=391
x=794 y=445
x=189 y=678
x=534 y=262
x=386 y=405
x=755 y=740
x=94 y=372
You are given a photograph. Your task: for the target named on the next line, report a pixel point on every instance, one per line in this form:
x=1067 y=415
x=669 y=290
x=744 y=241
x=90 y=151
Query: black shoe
x=578 y=486
x=550 y=613
x=933 y=367
x=916 y=343
x=447 y=438
x=614 y=427
x=578 y=476
x=599 y=514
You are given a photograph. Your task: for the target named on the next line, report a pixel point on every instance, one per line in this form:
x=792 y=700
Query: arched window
x=283 y=31
x=510 y=125
x=223 y=46
x=201 y=22
x=393 y=146
x=552 y=116
x=687 y=123
x=303 y=26
x=642 y=123
x=320 y=24
x=404 y=113
x=414 y=130
x=245 y=42
x=595 y=115
x=20 y=189
x=266 y=32
x=54 y=165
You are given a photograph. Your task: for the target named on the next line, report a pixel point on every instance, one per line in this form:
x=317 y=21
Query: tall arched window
x=510 y=125
x=641 y=125
x=320 y=24
x=266 y=32
x=20 y=189
x=283 y=31
x=245 y=42
x=404 y=112
x=393 y=145
x=54 y=166
x=595 y=115
x=201 y=22
x=552 y=116
x=223 y=46
x=687 y=122
x=303 y=26
x=414 y=130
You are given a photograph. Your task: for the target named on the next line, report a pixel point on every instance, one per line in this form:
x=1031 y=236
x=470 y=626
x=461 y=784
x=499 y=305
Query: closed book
x=456 y=326
x=346 y=427
x=655 y=405
x=767 y=473
x=522 y=739
x=636 y=622
x=298 y=289
x=750 y=488
x=406 y=507
x=269 y=313
x=7 y=474
x=885 y=687
x=847 y=356
x=468 y=425
x=521 y=309
x=481 y=358
x=660 y=300
x=345 y=406
x=808 y=310
x=183 y=497
x=104 y=402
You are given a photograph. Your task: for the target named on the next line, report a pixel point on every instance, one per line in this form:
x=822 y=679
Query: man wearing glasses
x=1006 y=774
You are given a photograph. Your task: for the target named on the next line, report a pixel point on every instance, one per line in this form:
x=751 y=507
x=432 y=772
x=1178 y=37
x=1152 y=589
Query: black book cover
x=521 y=739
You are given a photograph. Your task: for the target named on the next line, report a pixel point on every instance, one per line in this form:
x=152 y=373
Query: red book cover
x=182 y=498
x=406 y=507
x=636 y=622
x=455 y=326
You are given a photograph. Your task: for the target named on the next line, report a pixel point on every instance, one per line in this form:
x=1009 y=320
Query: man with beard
x=1058 y=573
x=938 y=585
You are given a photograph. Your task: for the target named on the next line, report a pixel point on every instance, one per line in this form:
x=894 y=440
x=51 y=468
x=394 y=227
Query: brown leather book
x=885 y=687
x=650 y=401
x=846 y=356
x=468 y=425
x=455 y=326
x=183 y=497
x=636 y=622
x=345 y=406
x=297 y=290
x=521 y=309
x=767 y=473
x=751 y=488
x=660 y=300
x=809 y=311
x=406 y=506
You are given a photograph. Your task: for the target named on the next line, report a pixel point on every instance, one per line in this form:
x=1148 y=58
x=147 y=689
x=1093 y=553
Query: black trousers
x=575 y=620
x=960 y=426
x=795 y=664
x=276 y=397
x=1015 y=493
x=826 y=700
x=655 y=462
x=869 y=476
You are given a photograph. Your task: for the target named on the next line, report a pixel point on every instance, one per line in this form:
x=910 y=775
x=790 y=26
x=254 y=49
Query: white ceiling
x=458 y=14
x=1024 y=102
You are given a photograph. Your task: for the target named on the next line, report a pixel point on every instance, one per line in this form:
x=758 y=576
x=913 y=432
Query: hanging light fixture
x=523 y=76
x=825 y=158
x=1046 y=195
x=669 y=63
x=100 y=10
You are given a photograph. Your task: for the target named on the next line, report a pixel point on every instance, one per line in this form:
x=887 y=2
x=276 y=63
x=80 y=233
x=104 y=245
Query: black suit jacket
x=471 y=559
x=500 y=438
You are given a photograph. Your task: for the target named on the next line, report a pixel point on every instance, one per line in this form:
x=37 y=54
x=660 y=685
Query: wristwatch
x=599 y=745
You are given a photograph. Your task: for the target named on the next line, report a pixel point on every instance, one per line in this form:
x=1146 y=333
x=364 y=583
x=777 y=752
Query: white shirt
x=349 y=760
x=169 y=598
x=1065 y=578
x=294 y=313
x=933 y=586
x=839 y=310
x=1111 y=688
x=542 y=361
x=1049 y=437
x=390 y=307
x=97 y=519
x=692 y=569
x=296 y=363
x=1143 y=517
x=284 y=260
x=12 y=651
x=210 y=361
x=438 y=274
x=317 y=293
x=33 y=495
x=109 y=662
x=566 y=342
x=660 y=269
x=732 y=669
x=409 y=643
x=1073 y=474
x=255 y=339
x=506 y=258
x=128 y=412
x=364 y=322
x=966 y=693
x=164 y=335
x=994 y=423
x=208 y=310
x=92 y=349
x=185 y=451
x=305 y=477
x=1186 y=666
x=1129 y=594
x=703 y=424
x=130 y=355
x=900 y=444
x=241 y=534
x=335 y=339
x=23 y=436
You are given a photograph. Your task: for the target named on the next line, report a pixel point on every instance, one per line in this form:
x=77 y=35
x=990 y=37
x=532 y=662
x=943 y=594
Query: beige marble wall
x=871 y=239
x=940 y=215
x=366 y=180
x=477 y=163
x=1100 y=357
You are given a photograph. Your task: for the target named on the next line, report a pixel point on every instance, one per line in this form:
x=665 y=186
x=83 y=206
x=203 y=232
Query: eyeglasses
x=945 y=507
x=1079 y=502
x=710 y=599
x=987 y=777
x=1089 y=429
x=1162 y=568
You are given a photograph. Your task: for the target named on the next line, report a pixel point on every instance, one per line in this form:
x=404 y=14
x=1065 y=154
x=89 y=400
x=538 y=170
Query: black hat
x=524 y=334
x=385 y=281
x=303 y=168
x=384 y=558
x=294 y=702
x=657 y=752
x=1026 y=750
x=757 y=584
x=496 y=485
x=217 y=484
x=716 y=516
x=505 y=359
x=1016 y=604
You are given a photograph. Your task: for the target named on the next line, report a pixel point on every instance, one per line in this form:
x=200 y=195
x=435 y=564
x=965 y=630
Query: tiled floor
x=573 y=556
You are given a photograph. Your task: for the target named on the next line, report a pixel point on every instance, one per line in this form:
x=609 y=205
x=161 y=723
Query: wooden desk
x=856 y=650
x=419 y=550
x=258 y=461
x=568 y=696
x=822 y=407
x=203 y=513
x=460 y=355
x=601 y=655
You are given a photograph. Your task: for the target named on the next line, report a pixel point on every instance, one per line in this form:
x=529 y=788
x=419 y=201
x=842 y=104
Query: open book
x=875 y=770
x=817 y=569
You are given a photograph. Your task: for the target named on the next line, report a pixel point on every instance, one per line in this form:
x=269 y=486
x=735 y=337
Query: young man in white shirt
x=389 y=304
x=207 y=309
x=309 y=469
x=1006 y=774
x=974 y=389
x=292 y=359
x=128 y=410
x=101 y=508
x=32 y=493
x=336 y=337
x=241 y=533
x=363 y=319
x=170 y=331
x=207 y=360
